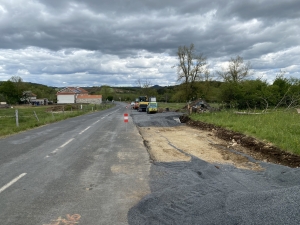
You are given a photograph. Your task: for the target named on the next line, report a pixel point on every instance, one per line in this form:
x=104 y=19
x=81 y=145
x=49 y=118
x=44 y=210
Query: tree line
x=15 y=91
x=236 y=89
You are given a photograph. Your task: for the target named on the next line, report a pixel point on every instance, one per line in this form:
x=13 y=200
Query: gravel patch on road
x=165 y=119
x=199 y=192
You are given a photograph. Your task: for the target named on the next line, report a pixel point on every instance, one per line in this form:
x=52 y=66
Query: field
x=35 y=116
x=280 y=128
x=172 y=106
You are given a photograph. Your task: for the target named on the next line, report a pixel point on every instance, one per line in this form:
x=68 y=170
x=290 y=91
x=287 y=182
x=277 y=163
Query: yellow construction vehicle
x=143 y=102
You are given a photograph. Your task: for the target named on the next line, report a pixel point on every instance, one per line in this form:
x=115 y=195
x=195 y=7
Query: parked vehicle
x=142 y=102
x=152 y=107
x=132 y=104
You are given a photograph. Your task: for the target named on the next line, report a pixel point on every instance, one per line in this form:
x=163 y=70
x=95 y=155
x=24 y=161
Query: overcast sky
x=118 y=42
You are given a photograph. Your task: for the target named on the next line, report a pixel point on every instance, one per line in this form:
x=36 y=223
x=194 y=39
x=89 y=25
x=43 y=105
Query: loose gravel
x=197 y=192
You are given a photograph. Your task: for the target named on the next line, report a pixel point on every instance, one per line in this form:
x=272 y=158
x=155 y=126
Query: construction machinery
x=152 y=107
x=142 y=103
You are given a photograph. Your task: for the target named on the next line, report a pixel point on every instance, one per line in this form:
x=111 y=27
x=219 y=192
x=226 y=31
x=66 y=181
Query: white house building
x=77 y=95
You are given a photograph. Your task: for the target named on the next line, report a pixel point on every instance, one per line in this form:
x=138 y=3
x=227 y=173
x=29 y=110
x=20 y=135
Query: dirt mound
x=55 y=108
x=60 y=108
x=255 y=148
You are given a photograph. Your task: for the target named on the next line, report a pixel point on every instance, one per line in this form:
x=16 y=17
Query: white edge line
x=12 y=182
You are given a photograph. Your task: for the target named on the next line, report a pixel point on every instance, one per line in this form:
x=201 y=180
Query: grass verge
x=281 y=128
x=34 y=116
x=171 y=106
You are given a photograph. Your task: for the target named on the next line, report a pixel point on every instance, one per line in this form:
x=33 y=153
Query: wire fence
x=45 y=114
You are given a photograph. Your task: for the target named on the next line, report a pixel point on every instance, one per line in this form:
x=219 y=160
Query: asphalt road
x=94 y=169
x=86 y=170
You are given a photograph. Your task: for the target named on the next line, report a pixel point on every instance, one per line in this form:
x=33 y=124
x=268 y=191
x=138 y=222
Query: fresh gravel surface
x=197 y=192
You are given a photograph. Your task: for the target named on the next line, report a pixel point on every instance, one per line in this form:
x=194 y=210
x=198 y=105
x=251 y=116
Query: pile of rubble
x=200 y=106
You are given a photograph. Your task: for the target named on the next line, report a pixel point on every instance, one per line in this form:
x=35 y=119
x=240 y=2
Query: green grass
x=281 y=128
x=171 y=106
x=28 y=120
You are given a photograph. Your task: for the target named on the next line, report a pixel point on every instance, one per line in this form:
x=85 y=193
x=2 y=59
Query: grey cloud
x=117 y=31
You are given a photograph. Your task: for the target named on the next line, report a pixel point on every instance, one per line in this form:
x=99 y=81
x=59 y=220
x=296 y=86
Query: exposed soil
x=257 y=149
x=212 y=144
x=181 y=143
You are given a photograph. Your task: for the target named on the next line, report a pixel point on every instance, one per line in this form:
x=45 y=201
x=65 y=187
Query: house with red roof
x=77 y=95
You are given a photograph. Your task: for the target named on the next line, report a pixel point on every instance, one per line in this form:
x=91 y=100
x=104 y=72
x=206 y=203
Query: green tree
x=19 y=85
x=253 y=94
x=105 y=92
x=9 y=92
x=230 y=94
x=178 y=96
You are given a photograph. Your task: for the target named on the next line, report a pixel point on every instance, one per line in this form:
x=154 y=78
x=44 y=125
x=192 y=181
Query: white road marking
x=85 y=130
x=56 y=150
x=96 y=122
x=12 y=182
x=66 y=143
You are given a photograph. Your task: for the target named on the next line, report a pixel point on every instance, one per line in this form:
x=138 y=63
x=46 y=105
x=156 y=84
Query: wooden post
x=17 y=118
x=36 y=116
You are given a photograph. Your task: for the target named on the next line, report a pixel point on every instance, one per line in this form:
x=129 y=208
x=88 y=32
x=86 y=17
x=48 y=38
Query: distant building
x=30 y=98
x=69 y=94
x=92 y=99
x=77 y=95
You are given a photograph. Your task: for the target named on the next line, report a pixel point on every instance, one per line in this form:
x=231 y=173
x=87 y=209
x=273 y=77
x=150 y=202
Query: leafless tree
x=146 y=87
x=191 y=67
x=143 y=83
x=236 y=71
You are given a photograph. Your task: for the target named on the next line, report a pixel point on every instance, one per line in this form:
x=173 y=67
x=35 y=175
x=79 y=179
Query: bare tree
x=146 y=87
x=143 y=83
x=236 y=71
x=191 y=68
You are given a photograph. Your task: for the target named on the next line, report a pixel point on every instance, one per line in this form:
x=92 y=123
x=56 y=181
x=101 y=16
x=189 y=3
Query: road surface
x=95 y=169
x=86 y=170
